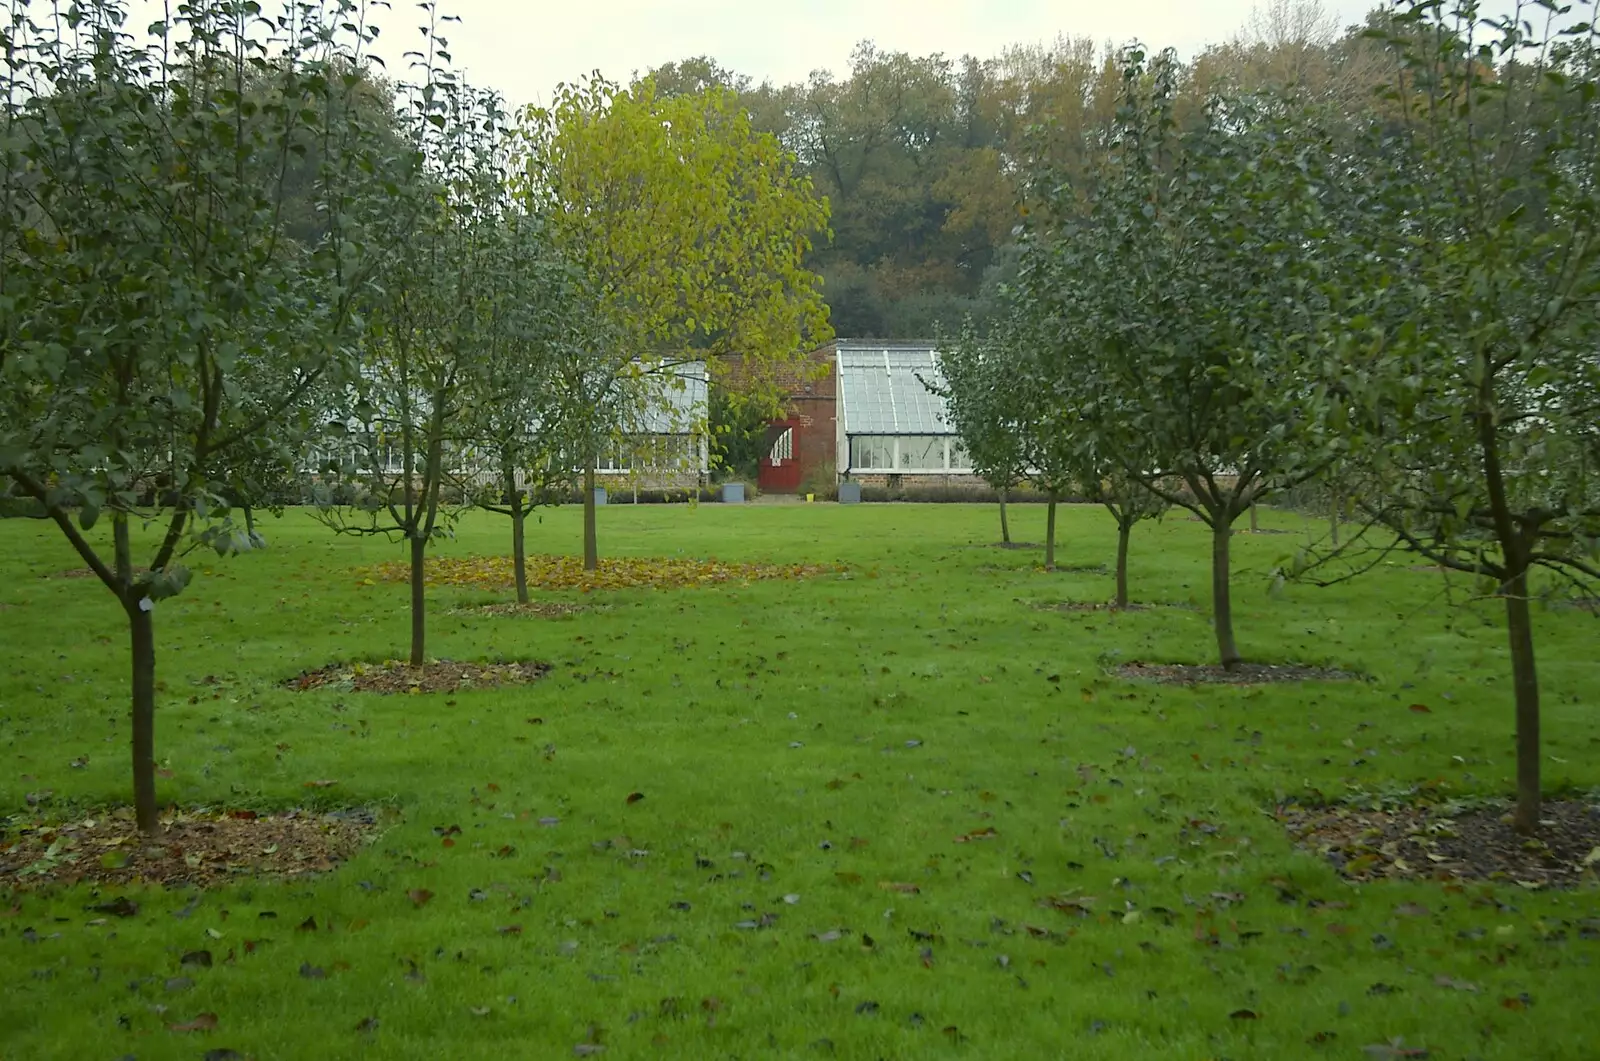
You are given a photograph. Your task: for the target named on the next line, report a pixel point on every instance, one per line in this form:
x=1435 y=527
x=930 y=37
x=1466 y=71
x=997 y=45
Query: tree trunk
x=1525 y=682
x=1255 y=527
x=250 y=523
x=1005 y=524
x=591 y=548
x=419 y=548
x=1124 y=530
x=1221 y=599
x=142 y=635
x=519 y=551
x=1050 y=535
x=1333 y=518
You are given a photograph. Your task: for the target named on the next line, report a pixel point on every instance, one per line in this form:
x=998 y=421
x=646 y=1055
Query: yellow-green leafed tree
x=690 y=229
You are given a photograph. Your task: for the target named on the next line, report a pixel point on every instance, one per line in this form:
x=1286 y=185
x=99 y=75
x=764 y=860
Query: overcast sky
x=525 y=47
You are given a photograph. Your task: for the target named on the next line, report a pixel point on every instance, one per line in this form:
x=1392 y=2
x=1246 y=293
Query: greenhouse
x=889 y=421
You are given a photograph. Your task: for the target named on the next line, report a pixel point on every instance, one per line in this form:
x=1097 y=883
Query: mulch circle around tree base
x=539 y=609
x=199 y=849
x=1093 y=606
x=434 y=676
x=1081 y=569
x=1431 y=843
x=1243 y=674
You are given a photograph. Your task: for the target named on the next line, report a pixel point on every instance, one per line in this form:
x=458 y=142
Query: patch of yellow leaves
x=566 y=572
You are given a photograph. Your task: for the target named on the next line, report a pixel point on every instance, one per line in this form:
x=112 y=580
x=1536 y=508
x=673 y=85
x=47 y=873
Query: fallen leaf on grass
x=635 y=797
x=203 y=1022
x=1422 y=709
x=320 y=784
x=367 y=1024
x=899 y=886
x=986 y=833
x=847 y=877
x=121 y=906
x=419 y=896
x=510 y=930
x=1244 y=1014
x=1394 y=1048
x=199 y=958
x=1455 y=985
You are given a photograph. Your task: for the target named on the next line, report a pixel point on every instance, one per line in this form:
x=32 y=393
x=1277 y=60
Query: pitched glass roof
x=669 y=403
x=881 y=389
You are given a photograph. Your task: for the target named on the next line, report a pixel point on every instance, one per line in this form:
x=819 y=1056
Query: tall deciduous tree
x=1473 y=292
x=691 y=228
x=160 y=327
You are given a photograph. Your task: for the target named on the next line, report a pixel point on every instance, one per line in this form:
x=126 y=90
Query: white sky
x=525 y=47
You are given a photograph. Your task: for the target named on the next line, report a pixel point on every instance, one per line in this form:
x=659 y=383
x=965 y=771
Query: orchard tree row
x=235 y=251
x=1393 y=296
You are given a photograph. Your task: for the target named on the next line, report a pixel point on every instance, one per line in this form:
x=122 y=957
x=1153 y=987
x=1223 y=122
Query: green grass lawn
x=799 y=745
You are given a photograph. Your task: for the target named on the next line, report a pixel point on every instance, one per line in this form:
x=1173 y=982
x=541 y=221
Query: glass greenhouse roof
x=881 y=390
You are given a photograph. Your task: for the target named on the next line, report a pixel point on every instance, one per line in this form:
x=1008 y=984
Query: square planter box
x=849 y=493
x=733 y=493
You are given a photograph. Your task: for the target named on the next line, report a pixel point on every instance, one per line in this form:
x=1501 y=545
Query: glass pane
x=959 y=461
x=871 y=452
x=921 y=453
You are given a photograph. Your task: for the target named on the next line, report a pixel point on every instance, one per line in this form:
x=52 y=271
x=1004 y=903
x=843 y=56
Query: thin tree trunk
x=1221 y=598
x=591 y=547
x=1333 y=518
x=1525 y=682
x=1124 y=531
x=250 y=523
x=419 y=548
x=142 y=636
x=519 y=551
x=1050 y=535
x=1255 y=527
x=1005 y=524
x=1519 y=623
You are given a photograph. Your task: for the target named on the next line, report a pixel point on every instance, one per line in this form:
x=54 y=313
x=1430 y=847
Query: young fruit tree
x=1177 y=281
x=691 y=229
x=437 y=328
x=159 y=327
x=517 y=457
x=1472 y=375
x=975 y=396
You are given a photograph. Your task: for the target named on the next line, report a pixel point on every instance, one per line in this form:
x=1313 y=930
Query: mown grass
x=809 y=740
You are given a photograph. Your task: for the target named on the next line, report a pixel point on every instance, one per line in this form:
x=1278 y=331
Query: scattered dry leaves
x=566 y=572
x=538 y=609
x=1430 y=842
x=1242 y=674
x=200 y=849
x=434 y=676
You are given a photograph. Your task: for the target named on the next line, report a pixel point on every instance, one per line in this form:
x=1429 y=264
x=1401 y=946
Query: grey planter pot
x=733 y=493
x=849 y=493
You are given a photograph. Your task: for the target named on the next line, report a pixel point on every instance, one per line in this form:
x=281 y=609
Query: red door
x=780 y=468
